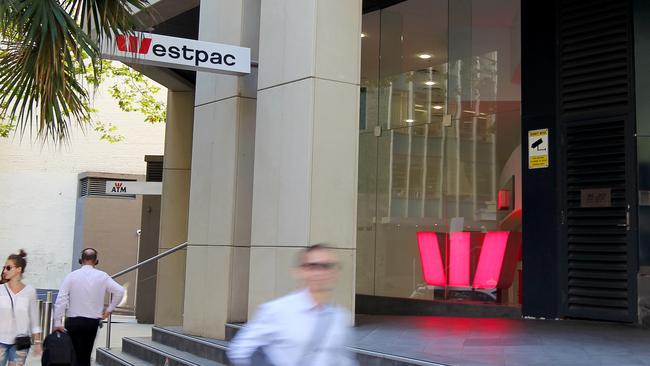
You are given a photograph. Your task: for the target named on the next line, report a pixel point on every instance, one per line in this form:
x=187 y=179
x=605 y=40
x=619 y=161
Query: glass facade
x=439 y=211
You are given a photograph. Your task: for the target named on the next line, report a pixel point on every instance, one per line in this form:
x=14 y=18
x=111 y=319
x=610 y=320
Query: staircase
x=168 y=346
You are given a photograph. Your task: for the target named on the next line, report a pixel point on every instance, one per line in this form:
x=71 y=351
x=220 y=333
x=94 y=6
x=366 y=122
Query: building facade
x=42 y=194
x=462 y=157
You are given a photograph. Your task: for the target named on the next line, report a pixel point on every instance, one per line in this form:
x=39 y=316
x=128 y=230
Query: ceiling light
x=430 y=83
x=424 y=56
x=409 y=120
x=437 y=107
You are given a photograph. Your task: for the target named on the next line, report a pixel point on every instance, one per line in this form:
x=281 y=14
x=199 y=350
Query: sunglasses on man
x=320 y=265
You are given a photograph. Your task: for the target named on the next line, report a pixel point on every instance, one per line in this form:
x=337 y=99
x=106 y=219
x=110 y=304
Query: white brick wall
x=39 y=186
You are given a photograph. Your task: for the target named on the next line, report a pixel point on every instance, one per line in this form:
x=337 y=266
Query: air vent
x=595 y=58
x=91 y=186
x=154 y=171
x=595 y=113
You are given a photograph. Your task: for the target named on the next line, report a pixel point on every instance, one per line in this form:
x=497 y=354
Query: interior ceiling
x=422 y=25
x=372 y=5
x=409 y=28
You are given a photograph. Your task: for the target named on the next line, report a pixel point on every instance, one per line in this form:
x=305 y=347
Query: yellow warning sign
x=538 y=149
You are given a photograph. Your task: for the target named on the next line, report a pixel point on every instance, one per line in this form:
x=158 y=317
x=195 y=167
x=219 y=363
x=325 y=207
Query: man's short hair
x=89 y=254
x=303 y=253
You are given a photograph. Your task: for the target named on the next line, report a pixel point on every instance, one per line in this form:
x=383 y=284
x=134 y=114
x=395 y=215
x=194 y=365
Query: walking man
x=302 y=328
x=82 y=295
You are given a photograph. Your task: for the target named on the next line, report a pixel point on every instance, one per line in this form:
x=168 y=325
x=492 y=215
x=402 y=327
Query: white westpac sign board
x=120 y=187
x=179 y=53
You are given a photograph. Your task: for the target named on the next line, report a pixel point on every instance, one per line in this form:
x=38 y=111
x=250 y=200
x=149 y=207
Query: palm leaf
x=42 y=59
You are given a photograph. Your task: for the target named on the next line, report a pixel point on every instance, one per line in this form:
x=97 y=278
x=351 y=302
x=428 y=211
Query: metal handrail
x=133 y=268
x=152 y=259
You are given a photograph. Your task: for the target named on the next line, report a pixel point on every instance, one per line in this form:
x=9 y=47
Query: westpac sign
x=179 y=53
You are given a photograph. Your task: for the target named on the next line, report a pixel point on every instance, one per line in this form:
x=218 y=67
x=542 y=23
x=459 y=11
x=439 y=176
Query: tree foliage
x=43 y=43
x=133 y=92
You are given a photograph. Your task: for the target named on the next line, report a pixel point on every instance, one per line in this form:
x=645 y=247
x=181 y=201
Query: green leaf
x=45 y=55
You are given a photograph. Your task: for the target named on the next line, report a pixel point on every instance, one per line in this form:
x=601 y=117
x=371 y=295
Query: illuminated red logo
x=132 y=45
x=494 y=267
x=118 y=187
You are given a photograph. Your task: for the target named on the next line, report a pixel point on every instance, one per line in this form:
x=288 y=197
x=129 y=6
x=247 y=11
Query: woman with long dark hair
x=19 y=313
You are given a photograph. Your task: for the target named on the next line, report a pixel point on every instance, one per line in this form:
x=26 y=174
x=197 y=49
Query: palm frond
x=104 y=18
x=42 y=59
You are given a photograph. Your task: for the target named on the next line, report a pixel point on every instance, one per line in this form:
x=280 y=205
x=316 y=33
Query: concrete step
x=365 y=357
x=168 y=346
x=212 y=349
x=162 y=354
x=232 y=329
x=115 y=357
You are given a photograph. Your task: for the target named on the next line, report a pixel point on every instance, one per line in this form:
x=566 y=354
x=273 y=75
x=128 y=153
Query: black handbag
x=22 y=341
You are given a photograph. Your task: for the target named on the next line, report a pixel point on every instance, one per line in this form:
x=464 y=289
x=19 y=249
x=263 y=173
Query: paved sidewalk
x=123 y=326
x=505 y=342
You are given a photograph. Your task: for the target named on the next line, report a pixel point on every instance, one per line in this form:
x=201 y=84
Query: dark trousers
x=82 y=332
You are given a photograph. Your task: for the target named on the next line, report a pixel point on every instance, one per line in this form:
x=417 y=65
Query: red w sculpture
x=493 y=267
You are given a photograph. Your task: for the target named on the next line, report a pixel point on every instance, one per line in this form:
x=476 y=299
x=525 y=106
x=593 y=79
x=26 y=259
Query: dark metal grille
x=596 y=236
x=595 y=106
x=154 y=171
x=92 y=186
x=594 y=65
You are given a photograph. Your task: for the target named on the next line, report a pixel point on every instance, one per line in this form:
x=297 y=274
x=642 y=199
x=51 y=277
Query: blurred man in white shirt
x=302 y=328
x=82 y=295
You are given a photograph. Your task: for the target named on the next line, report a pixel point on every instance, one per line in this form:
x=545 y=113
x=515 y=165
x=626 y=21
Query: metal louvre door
x=597 y=160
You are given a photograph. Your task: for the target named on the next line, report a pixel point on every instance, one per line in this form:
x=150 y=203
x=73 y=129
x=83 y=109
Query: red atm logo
x=132 y=45
x=118 y=187
x=494 y=268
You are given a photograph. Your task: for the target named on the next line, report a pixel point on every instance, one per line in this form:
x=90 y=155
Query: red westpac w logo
x=494 y=268
x=132 y=45
x=118 y=187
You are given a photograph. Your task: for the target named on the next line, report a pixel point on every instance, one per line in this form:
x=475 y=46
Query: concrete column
x=216 y=288
x=170 y=286
x=305 y=181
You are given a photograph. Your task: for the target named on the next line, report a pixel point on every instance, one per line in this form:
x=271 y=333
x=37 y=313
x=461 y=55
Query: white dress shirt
x=25 y=310
x=82 y=294
x=285 y=326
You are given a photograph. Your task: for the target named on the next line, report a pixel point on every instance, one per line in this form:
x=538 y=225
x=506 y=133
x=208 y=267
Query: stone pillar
x=170 y=286
x=216 y=289
x=305 y=181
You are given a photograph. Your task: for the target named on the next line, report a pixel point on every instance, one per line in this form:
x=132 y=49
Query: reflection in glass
x=447 y=162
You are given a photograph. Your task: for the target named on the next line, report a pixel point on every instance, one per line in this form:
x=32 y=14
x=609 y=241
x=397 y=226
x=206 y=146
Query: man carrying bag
x=81 y=299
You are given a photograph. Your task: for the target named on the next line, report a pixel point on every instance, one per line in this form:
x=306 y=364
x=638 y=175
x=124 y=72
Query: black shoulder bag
x=22 y=341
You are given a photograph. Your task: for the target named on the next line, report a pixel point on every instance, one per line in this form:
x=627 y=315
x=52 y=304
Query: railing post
x=132 y=268
x=46 y=315
x=108 y=325
x=41 y=315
